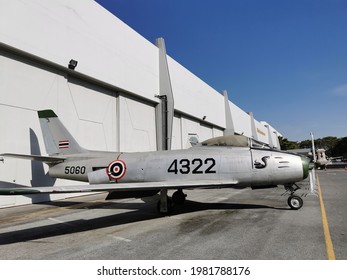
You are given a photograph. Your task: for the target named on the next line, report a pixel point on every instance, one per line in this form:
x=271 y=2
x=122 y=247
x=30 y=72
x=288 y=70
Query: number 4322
x=195 y=166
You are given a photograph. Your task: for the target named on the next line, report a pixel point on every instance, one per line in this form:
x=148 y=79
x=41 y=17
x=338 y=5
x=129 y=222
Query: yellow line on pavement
x=328 y=242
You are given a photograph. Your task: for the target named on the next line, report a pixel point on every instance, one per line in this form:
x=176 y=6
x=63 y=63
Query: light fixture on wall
x=73 y=64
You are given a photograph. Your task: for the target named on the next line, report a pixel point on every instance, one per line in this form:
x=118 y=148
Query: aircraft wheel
x=179 y=197
x=295 y=202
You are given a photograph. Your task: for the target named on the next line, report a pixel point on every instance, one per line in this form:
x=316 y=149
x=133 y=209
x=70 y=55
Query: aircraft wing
x=35 y=157
x=119 y=187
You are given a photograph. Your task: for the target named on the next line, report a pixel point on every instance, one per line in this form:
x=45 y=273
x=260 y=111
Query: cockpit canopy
x=234 y=141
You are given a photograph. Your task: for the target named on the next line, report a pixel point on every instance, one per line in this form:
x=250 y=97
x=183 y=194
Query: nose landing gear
x=295 y=202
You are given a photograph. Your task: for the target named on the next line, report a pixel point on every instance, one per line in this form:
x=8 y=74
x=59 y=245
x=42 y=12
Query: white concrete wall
x=274 y=134
x=194 y=97
x=262 y=132
x=137 y=126
x=241 y=120
x=184 y=128
x=104 y=46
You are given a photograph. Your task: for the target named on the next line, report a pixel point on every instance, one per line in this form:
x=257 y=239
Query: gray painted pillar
x=253 y=127
x=269 y=133
x=229 y=124
x=278 y=145
x=165 y=108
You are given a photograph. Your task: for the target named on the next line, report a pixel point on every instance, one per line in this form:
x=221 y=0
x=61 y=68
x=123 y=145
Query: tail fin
x=58 y=139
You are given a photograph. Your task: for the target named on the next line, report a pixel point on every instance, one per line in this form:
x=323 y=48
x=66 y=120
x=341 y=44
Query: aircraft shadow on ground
x=142 y=212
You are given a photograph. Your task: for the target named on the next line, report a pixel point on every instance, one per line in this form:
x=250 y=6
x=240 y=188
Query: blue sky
x=283 y=60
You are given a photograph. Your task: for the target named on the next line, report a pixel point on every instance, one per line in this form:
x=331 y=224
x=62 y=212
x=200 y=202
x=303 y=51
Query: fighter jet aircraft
x=232 y=161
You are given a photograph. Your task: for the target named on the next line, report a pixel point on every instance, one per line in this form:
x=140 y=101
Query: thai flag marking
x=64 y=144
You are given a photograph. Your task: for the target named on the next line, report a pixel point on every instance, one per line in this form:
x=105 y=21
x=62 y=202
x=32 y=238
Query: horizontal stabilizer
x=119 y=187
x=36 y=157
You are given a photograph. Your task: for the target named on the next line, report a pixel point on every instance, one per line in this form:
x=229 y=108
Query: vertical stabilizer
x=58 y=139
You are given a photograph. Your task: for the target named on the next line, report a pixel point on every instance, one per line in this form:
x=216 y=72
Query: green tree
x=288 y=145
x=333 y=146
x=326 y=143
x=340 y=149
x=305 y=144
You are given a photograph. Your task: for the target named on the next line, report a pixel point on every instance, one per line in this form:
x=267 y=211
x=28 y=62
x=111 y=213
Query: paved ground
x=334 y=191
x=213 y=224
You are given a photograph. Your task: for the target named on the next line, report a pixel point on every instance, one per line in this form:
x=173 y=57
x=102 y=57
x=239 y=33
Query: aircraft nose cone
x=305 y=166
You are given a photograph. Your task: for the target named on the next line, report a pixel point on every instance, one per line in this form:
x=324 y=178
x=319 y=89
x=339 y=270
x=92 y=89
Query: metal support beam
x=253 y=127
x=278 y=145
x=165 y=108
x=313 y=185
x=229 y=124
x=163 y=207
x=269 y=133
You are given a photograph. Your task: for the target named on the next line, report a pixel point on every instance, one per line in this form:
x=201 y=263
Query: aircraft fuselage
x=246 y=166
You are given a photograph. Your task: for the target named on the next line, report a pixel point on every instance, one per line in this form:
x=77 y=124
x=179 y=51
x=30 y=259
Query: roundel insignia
x=116 y=169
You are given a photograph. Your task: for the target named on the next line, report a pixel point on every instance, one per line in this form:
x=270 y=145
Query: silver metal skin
x=232 y=161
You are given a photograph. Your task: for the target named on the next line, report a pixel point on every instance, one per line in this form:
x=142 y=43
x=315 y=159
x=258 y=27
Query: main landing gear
x=166 y=204
x=295 y=202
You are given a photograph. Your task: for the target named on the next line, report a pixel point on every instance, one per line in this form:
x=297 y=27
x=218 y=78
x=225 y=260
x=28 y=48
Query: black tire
x=295 y=202
x=178 y=197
